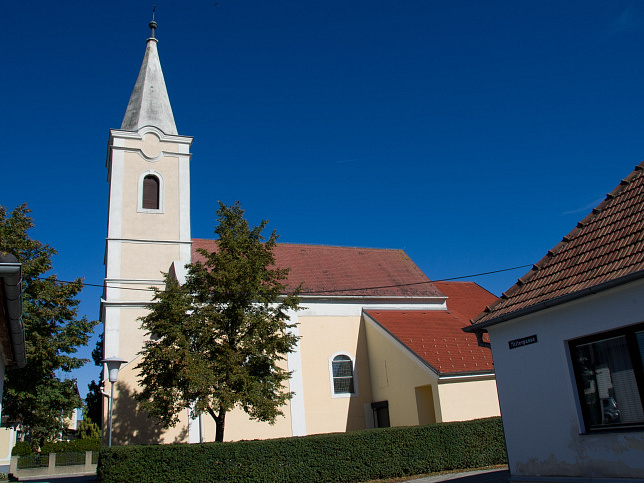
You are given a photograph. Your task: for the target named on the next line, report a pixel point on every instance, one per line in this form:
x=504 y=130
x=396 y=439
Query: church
x=380 y=344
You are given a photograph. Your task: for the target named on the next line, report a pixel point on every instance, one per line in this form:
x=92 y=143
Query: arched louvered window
x=150 y=200
x=342 y=374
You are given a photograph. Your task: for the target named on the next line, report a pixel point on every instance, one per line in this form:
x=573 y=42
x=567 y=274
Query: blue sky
x=473 y=135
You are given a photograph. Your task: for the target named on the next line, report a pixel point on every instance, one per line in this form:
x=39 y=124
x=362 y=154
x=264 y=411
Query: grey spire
x=149 y=103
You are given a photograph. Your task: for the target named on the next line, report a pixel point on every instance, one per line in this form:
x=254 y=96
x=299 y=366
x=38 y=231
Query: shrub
x=341 y=457
x=22 y=448
x=74 y=446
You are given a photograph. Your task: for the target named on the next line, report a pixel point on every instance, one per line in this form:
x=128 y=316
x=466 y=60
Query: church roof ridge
x=345 y=271
x=149 y=103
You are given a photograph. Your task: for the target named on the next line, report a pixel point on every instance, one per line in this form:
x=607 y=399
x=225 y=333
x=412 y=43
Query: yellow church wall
x=164 y=225
x=399 y=379
x=322 y=338
x=239 y=426
x=462 y=401
x=146 y=261
x=131 y=425
x=131 y=336
x=139 y=292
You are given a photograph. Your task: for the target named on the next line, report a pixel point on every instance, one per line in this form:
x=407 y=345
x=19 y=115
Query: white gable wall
x=538 y=397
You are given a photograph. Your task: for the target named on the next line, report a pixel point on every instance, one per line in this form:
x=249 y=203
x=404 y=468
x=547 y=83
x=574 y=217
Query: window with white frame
x=150 y=192
x=609 y=372
x=343 y=375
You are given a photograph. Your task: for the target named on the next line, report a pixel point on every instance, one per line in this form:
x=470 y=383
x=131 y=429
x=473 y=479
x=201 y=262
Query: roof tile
x=345 y=271
x=435 y=335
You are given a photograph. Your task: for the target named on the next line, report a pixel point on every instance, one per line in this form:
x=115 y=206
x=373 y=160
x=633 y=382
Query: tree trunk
x=220 y=422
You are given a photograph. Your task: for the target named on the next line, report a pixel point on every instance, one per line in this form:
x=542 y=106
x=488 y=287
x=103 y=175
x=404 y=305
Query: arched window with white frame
x=150 y=192
x=342 y=371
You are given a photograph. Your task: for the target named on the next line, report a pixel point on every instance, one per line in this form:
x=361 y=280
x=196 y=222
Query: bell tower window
x=150 y=192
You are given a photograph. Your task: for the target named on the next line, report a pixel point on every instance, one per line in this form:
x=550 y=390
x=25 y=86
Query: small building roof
x=435 y=336
x=12 y=330
x=605 y=249
x=345 y=271
x=149 y=103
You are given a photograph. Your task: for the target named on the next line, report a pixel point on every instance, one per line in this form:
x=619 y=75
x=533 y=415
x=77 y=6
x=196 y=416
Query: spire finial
x=153 y=25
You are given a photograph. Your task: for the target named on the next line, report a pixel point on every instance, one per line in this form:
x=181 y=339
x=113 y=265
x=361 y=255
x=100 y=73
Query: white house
x=568 y=348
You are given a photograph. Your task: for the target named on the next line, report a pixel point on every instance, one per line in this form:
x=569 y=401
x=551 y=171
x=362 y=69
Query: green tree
x=94 y=398
x=35 y=395
x=217 y=341
x=88 y=429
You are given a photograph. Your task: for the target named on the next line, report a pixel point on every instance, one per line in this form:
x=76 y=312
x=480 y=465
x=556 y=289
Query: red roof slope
x=605 y=246
x=436 y=336
x=346 y=271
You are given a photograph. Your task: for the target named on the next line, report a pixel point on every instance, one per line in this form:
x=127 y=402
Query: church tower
x=148 y=231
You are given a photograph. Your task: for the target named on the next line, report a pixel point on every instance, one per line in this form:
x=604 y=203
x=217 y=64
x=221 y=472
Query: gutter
x=11 y=279
x=479 y=327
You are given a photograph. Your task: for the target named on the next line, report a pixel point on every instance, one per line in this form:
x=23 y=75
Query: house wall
x=538 y=396
x=2 y=371
x=7 y=442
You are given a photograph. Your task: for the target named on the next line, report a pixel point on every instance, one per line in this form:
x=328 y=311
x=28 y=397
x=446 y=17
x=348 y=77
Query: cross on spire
x=153 y=25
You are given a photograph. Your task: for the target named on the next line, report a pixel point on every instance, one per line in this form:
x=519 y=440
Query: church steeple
x=149 y=103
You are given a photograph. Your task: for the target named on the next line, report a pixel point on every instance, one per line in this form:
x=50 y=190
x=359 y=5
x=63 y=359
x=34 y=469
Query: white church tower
x=148 y=232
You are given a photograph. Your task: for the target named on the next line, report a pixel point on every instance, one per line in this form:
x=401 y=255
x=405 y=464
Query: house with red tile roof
x=568 y=346
x=361 y=360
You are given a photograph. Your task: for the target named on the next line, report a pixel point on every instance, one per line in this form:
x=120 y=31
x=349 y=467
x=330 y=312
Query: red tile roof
x=605 y=247
x=436 y=337
x=346 y=271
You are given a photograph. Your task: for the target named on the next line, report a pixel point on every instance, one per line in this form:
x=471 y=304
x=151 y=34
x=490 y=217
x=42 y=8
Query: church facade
x=379 y=343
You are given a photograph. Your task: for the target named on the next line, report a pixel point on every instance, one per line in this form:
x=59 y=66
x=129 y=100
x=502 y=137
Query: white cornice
x=437 y=303
x=353 y=306
x=140 y=240
x=138 y=135
x=152 y=159
x=139 y=280
x=126 y=303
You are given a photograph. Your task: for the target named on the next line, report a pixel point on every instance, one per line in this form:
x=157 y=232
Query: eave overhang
x=480 y=327
x=11 y=285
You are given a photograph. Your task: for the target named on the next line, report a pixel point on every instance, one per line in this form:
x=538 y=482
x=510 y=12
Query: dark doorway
x=381 y=414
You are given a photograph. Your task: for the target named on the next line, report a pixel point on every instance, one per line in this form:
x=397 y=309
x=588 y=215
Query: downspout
x=481 y=342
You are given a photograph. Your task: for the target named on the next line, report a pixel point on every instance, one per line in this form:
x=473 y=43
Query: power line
x=332 y=290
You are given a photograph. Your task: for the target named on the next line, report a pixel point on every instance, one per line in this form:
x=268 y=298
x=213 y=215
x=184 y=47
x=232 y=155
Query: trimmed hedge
x=339 y=457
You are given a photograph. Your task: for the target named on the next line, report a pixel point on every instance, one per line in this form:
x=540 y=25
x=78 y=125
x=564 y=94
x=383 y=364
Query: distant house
x=568 y=346
x=12 y=338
